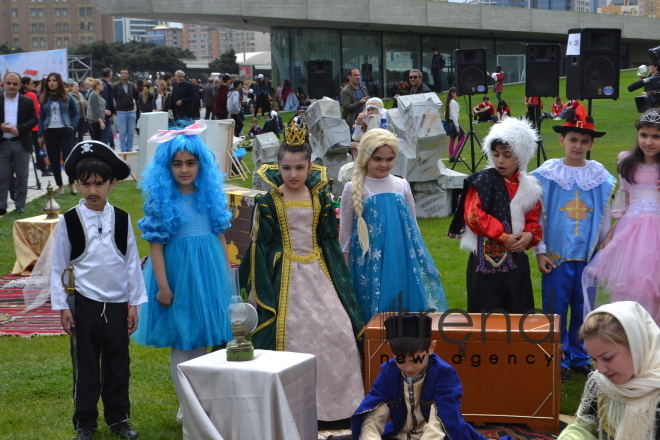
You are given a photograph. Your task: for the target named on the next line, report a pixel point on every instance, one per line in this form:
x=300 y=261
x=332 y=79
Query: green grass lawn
x=35 y=374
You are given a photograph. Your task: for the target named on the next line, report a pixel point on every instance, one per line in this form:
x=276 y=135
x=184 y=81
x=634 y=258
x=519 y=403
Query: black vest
x=77 y=238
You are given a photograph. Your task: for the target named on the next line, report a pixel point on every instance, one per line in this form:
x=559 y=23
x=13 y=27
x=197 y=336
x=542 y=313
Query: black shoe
x=3 y=211
x=584 y=370
x=564 y=375
x=20 y=210
x=452 y=159
x=123 y=430
x=46 y=174
x=85 y=434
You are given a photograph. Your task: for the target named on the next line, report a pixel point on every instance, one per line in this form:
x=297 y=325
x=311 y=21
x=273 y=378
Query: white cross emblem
x=87 y=148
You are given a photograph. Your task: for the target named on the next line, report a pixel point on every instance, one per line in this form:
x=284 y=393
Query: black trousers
x=510 y=291
x=41 y=165
x=101 y=362
x=95 y=131
x=238 y=124
x=209 y=113
x=58 y=141
x=80 y=132
x=262 y=103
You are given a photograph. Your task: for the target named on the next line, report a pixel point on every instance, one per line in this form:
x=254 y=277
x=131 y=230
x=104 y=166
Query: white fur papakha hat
x=518 y=134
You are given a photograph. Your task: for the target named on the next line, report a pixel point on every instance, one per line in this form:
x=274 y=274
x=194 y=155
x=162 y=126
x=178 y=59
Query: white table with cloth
x=272 y=397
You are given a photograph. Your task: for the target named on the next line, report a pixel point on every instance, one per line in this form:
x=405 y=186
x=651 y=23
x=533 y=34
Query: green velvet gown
x=295 y=271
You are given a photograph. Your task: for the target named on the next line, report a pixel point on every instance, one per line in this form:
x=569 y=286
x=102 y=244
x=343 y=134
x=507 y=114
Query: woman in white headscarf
x=621 y=398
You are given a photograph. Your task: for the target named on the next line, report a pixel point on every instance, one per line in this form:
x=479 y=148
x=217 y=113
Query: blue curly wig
x=162 y=197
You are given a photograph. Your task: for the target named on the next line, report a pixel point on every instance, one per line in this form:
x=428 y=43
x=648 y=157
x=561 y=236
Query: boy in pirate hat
x=96 y=283
x=419 y=391
x=497 y=220
x=575 y=199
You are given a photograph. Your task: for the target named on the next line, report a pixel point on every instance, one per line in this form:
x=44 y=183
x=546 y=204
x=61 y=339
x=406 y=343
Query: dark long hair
x=451 y=91
x=59 y=94
x=628 y=165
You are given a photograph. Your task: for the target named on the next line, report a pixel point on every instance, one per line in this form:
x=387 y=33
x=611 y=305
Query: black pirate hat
x=408 y=325
x=101 y=151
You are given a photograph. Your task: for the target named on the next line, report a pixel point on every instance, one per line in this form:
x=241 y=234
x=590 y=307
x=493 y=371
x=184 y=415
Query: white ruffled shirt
x=586 y=178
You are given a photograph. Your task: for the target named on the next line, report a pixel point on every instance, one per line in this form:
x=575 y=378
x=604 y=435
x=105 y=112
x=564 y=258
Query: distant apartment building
x=163 y=35
x=209 y=42
x=133 y=29
x=36 y=25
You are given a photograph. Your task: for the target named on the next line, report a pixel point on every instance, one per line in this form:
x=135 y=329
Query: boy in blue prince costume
x=575 y=200
x=415 y=378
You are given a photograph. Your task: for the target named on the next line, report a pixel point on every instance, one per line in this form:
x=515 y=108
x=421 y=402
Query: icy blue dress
x=197 y=272
x=397 y=260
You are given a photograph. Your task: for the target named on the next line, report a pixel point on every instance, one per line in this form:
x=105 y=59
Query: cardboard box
x=258 y=183
x=332 y=136
x=333 y=164
x=424 y=167
x=241 y=205
x=450 y=179
x=432 y=205
x=265 y=147
x=494 y=355
x=406 y=100
x=430 y=187
x=322 y=108
x=400 y=168
x=395 y=120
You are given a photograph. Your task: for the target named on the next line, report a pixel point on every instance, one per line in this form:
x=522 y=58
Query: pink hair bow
x=165 y=135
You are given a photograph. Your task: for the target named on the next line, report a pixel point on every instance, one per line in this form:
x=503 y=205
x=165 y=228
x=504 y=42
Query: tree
x=225 y=64
x=137 y=56
x=4 y=49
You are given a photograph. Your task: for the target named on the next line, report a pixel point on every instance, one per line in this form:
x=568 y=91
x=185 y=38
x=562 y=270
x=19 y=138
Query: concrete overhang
x=418 y=16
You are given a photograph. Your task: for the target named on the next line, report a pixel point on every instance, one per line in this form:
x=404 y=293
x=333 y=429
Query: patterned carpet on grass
x=41 y=321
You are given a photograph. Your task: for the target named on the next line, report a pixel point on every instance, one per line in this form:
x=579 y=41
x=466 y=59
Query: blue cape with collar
x=441 y=386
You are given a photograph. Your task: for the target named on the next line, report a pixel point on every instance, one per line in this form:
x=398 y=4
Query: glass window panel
x=511 y=56
x=445 y=46
x=42 y=27
x=16 y=43
x=401 y=54
x=41 y=12
x=14 y=27
x=33 y=26
x=313 y=44
x=65 y=27
x=35 y=42
x=280 y=44
x=363 y=50
x=57 y=12
x=65 y=12
x=66 y=41
x=58 y=27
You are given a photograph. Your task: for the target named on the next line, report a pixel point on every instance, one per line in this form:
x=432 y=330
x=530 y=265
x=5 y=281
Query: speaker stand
x=540 y=149
x=472 y=137
x=588 y=114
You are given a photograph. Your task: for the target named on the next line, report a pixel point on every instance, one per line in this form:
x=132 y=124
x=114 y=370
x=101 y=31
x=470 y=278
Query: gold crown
x=295 y=135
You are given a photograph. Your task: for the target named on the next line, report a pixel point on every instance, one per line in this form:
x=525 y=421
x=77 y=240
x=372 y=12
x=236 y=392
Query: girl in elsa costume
x=379 y=236
x=188 y=276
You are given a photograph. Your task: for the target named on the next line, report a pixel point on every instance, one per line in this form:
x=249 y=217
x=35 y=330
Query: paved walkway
x=34 y=191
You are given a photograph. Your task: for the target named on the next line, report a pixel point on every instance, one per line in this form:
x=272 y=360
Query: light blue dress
x=197 y=273
x=397 y=261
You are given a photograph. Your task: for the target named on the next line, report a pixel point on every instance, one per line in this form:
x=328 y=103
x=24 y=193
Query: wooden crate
x=507 y=377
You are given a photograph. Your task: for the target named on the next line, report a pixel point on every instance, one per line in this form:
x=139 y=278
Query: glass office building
x=385 y=58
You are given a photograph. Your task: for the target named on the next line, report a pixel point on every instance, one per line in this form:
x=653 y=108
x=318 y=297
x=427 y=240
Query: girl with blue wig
x=187 y=277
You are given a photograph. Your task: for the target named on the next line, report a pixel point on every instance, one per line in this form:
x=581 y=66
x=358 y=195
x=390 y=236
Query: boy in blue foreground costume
x=576 y=192
x=414 y=379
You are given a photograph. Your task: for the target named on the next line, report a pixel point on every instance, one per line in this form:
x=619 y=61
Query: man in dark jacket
x=17 y=117
x=416 y=84
x=183 y=97
x=209 y=98
x=220 y=105
x=437 y=64
x=109 y=95
x=124 y=91
x=353 y=96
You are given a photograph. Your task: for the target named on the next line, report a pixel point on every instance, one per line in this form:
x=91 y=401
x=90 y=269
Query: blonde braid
x=370 y=142
x=356 y=195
